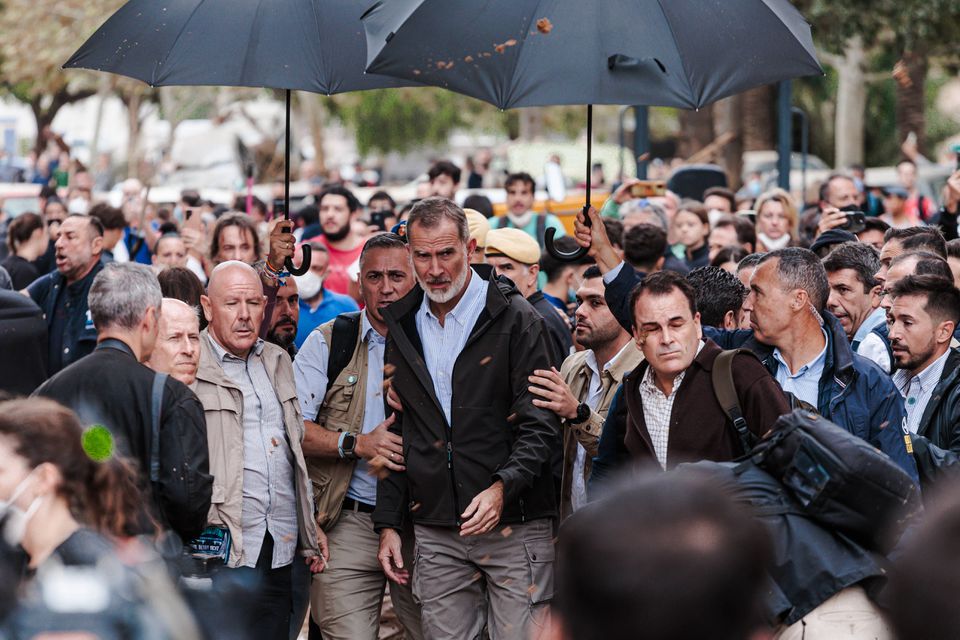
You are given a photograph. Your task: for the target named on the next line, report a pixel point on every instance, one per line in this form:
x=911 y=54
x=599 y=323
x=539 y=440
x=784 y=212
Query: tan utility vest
x=342 y=410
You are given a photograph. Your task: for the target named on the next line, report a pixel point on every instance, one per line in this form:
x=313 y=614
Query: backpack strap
x=503 y=222
x=541 y=228
x=343 y=341
x=726 y=392
x=156 y=402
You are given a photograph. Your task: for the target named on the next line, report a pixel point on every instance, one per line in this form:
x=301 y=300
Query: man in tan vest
x=580 y=393
x=347 y=441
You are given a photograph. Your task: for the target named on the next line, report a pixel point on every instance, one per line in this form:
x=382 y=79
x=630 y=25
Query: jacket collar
x=117 y=345
x=210 y=370
x=948 y=379
x=839 y=359
x=496 y=300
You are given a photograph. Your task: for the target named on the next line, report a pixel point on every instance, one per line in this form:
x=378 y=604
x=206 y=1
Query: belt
x=349 y=504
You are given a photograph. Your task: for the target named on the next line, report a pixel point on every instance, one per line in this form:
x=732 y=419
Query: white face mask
x=15 y=519
x=308 y=284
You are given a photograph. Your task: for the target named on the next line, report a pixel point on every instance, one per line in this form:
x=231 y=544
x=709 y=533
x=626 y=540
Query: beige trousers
x=503 y=579
x=345 y=599
x=849 y=615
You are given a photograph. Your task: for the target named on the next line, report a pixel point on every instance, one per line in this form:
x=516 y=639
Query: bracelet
x=270 y=268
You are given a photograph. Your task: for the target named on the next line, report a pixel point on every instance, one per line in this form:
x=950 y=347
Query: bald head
x=228 y=273
x=234 y=306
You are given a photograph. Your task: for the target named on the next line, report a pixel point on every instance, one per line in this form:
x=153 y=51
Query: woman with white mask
x=68 y=502
x=776 y=220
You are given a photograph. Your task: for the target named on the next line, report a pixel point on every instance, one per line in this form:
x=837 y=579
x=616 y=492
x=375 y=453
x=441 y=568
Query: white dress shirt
x=442 y=344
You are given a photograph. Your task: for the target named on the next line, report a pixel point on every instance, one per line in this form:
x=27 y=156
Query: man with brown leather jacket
x=478 y=481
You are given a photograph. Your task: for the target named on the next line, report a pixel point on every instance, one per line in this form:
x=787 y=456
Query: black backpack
x=839 y=479
x=343 y=341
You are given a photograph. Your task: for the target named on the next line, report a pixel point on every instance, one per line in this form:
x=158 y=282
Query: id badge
x=214 y=542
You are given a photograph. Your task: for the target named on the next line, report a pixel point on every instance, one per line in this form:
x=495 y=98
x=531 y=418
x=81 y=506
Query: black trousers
x=268 y=608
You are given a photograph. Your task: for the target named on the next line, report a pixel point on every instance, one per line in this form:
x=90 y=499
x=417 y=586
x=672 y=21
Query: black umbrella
x=308 y=45
x=523 y=53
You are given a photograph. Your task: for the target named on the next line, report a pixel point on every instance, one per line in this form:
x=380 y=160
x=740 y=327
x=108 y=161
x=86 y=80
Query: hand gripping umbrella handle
x=560 y=255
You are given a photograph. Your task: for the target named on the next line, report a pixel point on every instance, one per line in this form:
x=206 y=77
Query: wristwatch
x=583 y=414
x=348 y=442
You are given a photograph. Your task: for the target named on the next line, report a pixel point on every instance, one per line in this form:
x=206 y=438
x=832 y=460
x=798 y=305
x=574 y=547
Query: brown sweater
x=699 y=429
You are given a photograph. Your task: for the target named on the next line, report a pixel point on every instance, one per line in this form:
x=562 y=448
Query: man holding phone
x=838 y=198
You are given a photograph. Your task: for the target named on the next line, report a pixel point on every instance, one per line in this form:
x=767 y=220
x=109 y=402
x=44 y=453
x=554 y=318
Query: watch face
x=349 y=441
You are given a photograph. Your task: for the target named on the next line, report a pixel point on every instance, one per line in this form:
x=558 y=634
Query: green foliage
x=400 y=119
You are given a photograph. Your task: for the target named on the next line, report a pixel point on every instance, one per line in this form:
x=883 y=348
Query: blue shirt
x=332 y=305
x=557 y=302
x=442 y=344
x=310 y=372
x=805 y=383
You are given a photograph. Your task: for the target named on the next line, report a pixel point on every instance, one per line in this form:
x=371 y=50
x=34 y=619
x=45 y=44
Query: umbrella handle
x=288 y=263
x=560 y=255
x=304 y=265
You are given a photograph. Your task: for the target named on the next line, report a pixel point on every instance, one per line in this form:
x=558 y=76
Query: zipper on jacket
x=453 y=479
x=523 y=512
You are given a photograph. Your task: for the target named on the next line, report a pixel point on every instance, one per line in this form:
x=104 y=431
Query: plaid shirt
x=657 y=409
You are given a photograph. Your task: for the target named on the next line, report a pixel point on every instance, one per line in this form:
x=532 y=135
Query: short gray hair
x=800 y=268
x=642 y=205
x=429 y=212
x=121 y=293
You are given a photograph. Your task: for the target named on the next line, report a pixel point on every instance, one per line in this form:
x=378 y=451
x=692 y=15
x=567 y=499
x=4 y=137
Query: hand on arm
x=553 y=393
x=383 y=444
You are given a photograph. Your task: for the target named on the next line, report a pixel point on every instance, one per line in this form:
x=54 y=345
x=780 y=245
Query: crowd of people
x=213 y=447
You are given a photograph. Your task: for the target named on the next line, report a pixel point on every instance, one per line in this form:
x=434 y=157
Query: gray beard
x=452 y=291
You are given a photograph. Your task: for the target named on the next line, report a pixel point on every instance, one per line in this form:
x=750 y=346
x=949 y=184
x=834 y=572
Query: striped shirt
x=917 y=389
x=442 y=344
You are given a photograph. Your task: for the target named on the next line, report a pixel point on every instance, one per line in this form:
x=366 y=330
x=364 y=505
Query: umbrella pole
x=551 y=232
x=288 y=263
x=286 y=162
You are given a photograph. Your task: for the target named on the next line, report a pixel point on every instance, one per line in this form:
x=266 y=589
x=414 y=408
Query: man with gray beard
x=477 y=449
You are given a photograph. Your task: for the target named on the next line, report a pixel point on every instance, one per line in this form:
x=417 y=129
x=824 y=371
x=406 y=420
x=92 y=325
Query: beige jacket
x=576 y=374
x=342 y=410
x=223 y=408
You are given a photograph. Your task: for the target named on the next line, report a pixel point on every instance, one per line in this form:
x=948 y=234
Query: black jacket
x=810 y=562
x=559 y=336
x=111 y=388
x=497 y=432
x=936 y=447
x=78 y=336
x=23 y=344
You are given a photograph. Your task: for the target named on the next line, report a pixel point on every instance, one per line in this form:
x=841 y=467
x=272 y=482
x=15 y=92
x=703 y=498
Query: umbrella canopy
x=308 y=45
x=524 y=53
